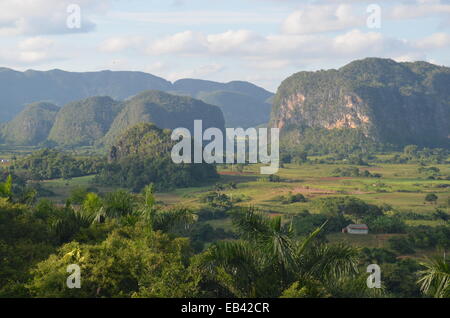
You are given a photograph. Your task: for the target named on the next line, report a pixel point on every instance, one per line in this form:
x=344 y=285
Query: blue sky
x=262 y=41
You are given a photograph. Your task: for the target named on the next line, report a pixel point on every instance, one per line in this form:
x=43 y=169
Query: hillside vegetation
x=393 y=103
x=31 y=126
x=164 y=110
x=141 y=156
x=98 y=121
x=82 y=123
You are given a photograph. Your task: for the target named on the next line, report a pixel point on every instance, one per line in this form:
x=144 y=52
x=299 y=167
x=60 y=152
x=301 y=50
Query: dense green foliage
x=100 y=120
x=353 y=172
x=164 y=110
x=321 y=141
x=128 y=263
x=393 y=103
x=142 y=156
x=207 y=241
x=83 y=122
x=415 y=154
x=52 y=164
x=31 y=126
x=127 y=245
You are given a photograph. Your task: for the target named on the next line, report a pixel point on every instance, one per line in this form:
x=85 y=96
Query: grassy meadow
x=401 y=186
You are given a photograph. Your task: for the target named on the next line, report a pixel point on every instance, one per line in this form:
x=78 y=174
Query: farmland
x=401 y=187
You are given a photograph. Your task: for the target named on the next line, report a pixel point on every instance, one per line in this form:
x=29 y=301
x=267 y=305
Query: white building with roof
x=362 y=229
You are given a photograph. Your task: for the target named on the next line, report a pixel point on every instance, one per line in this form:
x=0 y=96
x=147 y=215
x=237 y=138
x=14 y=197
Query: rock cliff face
x=396 y=103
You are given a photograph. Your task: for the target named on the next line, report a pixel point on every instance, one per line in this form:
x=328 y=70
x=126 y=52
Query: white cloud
x=322 y=18
x=187 y=42
x=32 y=56
x=35 y=43
x=190 y=42
x=434 y=41
x=356 y=41
x=279 y=48
x=412 y=57
x=423 y=8
x=34 y=50
x=117 y=44
x=200 y=17
x=328 y=16
x=230 y=41
x=34 y=17
x=24 y=57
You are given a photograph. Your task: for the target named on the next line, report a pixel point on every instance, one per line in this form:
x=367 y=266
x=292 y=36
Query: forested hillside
x=394 y=103
x=165 y=111
x=31 y=126
x=83 y=122
x=141 y=155
x=98 y=121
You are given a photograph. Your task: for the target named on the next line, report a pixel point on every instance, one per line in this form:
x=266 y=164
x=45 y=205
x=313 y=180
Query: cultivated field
x=401 y=186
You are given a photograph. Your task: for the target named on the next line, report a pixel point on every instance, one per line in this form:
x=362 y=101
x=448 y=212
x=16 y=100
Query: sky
x=261 y=41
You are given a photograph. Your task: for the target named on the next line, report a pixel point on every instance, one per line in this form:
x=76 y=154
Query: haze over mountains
x=100 y=120
x=385 y=101
x=60 y=87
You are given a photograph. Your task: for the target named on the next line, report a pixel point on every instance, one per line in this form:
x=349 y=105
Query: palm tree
x=163 y=220
x=93 y=205
x=69 y=223
x=267 y=259
x=119 y=203
x=435 y=278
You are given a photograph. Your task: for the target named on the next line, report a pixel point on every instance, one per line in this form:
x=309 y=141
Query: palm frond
x=252 y=225
x=166 y=220
x=330 y=261
x=70 y=223
x=237 y=266
x=308 y=240
x=435 y=278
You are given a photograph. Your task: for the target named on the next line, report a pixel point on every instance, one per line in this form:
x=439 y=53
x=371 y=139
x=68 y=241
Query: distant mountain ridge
x=243 y=104
x=61 y=87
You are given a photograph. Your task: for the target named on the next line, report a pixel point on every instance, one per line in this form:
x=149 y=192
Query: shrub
x=401 y=245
